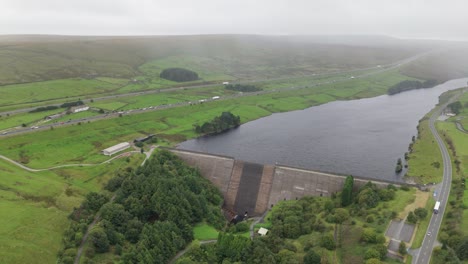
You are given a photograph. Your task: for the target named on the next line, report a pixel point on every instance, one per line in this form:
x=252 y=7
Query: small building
x=225 y=83
x=80 y=108
x=215 y=97
x=54 y=116
x=262 y=231
x=117 y=148
x=143 y=139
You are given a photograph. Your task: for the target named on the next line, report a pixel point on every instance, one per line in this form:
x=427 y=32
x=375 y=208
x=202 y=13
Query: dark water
x=359 y=137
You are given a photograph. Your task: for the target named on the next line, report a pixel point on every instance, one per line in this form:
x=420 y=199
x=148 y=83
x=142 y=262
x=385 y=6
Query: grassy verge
x=43 y=91
x=425 y=161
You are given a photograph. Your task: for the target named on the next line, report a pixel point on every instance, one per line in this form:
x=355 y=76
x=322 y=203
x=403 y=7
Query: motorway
x=380 y=68
x=179 y=104
x=423 y=256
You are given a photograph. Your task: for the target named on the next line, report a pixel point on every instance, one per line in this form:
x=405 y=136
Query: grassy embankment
x=35 y=206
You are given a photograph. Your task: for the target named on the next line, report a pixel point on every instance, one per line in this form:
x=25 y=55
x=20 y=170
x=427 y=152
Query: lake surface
x=360 y=137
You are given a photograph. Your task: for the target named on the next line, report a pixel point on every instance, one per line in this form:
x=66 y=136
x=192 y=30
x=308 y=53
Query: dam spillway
x=254 y=188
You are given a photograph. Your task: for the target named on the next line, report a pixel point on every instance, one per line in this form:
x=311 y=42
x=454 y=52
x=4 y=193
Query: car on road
x=428 y=233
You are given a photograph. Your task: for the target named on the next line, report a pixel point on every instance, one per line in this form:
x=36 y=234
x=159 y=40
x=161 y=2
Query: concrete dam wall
x=253 y=188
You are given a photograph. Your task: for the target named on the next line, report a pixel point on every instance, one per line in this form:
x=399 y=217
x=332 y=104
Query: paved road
x=179 y=104
x=424 y=255
x=68 y=165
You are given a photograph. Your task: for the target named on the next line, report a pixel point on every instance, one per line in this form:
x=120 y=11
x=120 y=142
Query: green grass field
x=25 y=118
x=35 y=205
x=425 y=164
x=20 y=94
x=208 y=69
x=203 y=231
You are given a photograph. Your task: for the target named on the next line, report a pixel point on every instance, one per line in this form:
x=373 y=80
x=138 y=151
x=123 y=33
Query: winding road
x=67 y=165
x=423 y=255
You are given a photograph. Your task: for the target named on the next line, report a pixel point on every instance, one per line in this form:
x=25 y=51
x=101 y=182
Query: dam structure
x=254 y=188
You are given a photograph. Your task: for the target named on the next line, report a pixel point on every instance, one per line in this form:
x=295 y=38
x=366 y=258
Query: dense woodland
x=179 y=75
x=219 y=124
x=152 y=215
x=456 y=107
x=408 y=85
x=242 y=88
x=309 y=230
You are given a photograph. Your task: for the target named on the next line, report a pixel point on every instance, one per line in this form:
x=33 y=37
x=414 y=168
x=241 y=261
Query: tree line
x=179 y=75
x=53 y=107
x=242 y=88
x=410 y=85
x=220 y=123
x=152 y=216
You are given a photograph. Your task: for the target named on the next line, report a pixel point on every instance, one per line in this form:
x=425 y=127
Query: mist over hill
x=27 y=58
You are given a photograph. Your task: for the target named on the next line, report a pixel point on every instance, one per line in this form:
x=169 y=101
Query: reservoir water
x=359 y=137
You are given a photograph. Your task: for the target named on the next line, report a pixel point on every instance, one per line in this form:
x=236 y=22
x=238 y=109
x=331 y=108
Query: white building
x=262 y=231
x=79 y=108
x=215 y=97
x=225 y=83
x=114 y=149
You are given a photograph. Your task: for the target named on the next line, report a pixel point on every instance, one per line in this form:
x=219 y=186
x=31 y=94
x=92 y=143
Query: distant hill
x=28 y=58
x=442 y=65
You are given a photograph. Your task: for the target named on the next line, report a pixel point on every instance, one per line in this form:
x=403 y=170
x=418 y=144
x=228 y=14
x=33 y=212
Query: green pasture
x=25 y=118
x=17 y=94
x=208 y=69
x=203 y=231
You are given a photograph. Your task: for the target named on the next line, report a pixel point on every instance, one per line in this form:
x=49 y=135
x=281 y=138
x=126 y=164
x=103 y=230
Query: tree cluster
x=370 y=195
x=219 y=124
x=179 y=75
x=455 y=107
x=347 y=193
x=399 y=166
x=408 y=85
x=53 y=107
x=242 y=87
x=71 y=104
x=154 y=210
x=44 y=108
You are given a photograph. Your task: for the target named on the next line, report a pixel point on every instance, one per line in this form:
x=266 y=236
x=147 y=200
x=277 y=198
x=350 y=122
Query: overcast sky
x=436 y=19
